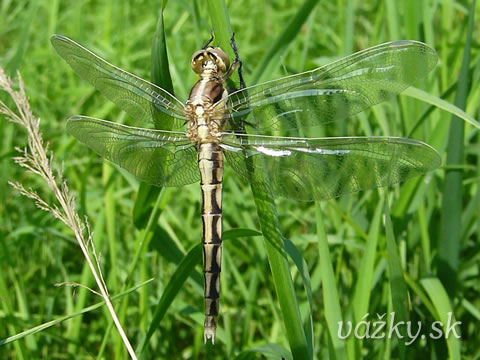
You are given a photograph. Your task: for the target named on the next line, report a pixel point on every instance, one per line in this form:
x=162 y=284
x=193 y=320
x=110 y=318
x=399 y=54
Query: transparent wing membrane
x=335 y=91
x=139 y=98
x=298 y=168
x=325 y=168
x=161 y=158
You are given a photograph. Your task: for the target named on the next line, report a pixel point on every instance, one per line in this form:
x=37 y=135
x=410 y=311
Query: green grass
x=410 y=248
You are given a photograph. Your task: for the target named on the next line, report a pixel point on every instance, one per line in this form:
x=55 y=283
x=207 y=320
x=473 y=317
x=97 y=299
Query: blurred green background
x=435 y=221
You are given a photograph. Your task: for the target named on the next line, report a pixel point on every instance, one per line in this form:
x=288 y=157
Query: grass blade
x=302 y=267
x=281 y=274
x=274 y=54
x=438 y=102
x=361 y=297
x=398 y=287
x=161 y=77
x=16 y=60
x=268 y=350
x=69 y=316
x=451 y=225
x=86 y=279
x=221 y=24
x=174 y=285
x=333 y=312
x=7 y=307
x=444 y=314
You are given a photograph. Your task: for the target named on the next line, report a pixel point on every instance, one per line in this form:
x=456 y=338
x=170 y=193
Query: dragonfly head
x=210 y=59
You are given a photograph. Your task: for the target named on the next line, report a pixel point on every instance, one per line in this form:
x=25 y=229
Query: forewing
x=335 y=91
x=325 y=168
x=139 y=98
x=161 y=158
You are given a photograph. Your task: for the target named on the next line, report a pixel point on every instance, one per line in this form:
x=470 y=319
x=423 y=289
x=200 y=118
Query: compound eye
x=197 y=61
x=221 y=59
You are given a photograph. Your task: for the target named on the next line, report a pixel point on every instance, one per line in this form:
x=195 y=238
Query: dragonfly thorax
x=203 y=126
x=204 y=109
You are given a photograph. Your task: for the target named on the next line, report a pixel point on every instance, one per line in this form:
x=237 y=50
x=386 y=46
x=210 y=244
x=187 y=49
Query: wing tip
x=57 y=38
x=427 y=49
x=77 y=118
x=436 y=159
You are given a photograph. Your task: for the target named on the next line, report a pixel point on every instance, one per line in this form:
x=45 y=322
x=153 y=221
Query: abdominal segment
x=210 y=163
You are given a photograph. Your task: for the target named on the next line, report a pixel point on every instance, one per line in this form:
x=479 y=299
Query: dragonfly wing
x=161 y=158
x=335 y=91
x=139 y=98
x=325 y=168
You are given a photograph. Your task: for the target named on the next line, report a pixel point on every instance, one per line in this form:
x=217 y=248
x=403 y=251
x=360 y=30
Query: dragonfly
x=259 y=130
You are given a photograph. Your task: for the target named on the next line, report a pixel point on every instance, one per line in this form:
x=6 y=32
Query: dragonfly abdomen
x=210 y=163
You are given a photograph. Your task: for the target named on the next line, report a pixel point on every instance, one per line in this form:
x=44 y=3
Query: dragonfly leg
x=209 y=40
x=240 y=75
x=237 y=61
x=243 y=122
